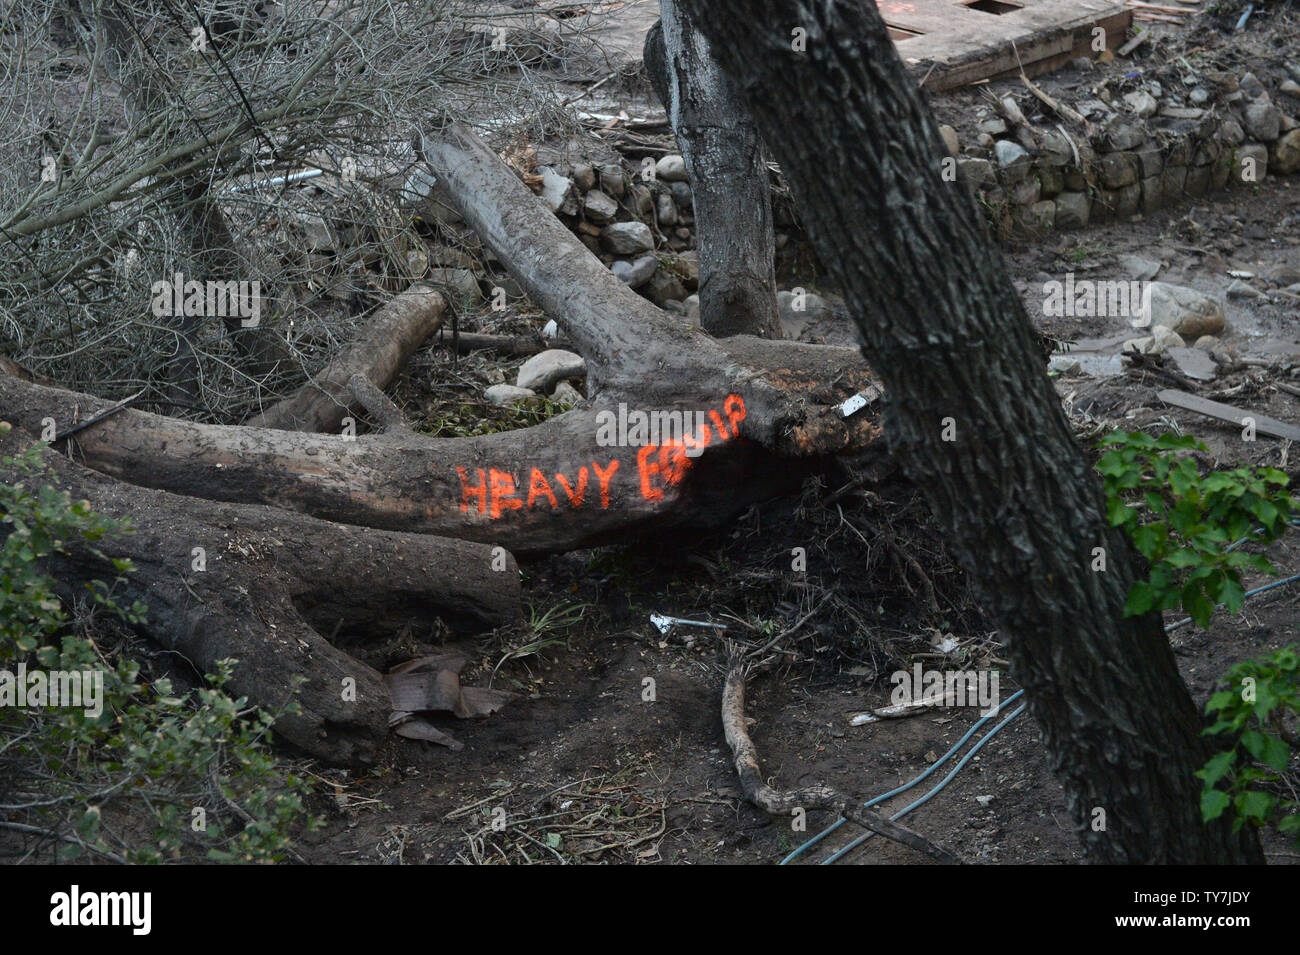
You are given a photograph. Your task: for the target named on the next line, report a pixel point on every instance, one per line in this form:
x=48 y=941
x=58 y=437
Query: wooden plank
x=959 y=45
x=1221 y=412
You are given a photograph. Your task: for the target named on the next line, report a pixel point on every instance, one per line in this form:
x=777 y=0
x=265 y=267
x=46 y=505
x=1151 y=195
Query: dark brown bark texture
x=952 y=343
x=265 y=587
x=727 y=166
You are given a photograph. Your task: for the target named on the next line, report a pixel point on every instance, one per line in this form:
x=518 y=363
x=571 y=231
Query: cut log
x=385 y=344
x=260 y=585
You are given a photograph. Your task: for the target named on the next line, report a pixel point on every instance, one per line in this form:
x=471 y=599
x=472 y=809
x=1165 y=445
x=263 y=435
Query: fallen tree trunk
x=261 y=585
x=387 y=341
x=575 y=480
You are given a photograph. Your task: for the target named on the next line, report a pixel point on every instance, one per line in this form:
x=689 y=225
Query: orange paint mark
x=717 y=423
x=575 y=497
x=468 y=493
x=648 y=469
x=503 y=492
x=604 y=478
x=734 y=407
x=538 y=487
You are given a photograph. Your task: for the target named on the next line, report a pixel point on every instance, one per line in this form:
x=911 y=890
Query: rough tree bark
x=976 y=422
x=727 y=165
x=266 y=584
x=553 y=487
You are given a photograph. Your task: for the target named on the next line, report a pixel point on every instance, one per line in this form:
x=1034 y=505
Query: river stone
x=1188 y=312
x=542 y=371
x=1286 y=154
x=627 y=238
x=505 y=395
x=1158 y=342
x=598 y=207
x=636 y=272
x=556 y=189
x=671 y=168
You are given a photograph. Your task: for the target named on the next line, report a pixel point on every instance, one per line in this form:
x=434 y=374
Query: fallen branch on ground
x=776 y=803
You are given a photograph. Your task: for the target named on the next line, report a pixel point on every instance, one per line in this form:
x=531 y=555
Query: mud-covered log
x=385 y=343
x=261 y=585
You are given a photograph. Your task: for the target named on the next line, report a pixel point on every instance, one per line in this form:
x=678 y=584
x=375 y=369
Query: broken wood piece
x=1227 y=413
x=387 y=341
x=381 y=409
x=515 y=345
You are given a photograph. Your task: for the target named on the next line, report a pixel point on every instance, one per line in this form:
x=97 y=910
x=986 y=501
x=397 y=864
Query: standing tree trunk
x=975 y=420
x=727 y=166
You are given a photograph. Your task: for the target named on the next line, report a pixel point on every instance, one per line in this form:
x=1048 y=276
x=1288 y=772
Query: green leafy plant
x=193 y=773
x=1187 y=525
x=1257 y=712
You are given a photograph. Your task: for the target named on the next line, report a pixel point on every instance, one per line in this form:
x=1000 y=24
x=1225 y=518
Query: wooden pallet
x=957 y=42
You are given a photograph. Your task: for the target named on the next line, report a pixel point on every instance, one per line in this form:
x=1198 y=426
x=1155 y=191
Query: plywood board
x=956 y=42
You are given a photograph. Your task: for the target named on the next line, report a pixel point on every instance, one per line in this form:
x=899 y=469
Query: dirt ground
x=586 y=769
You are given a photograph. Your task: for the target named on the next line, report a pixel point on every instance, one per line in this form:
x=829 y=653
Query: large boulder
x=543 y=371
x=1188 y=312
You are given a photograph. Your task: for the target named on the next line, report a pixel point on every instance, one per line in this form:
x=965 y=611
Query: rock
x=598 y=207
x=994 y=127
x=686 y=266
x=557 y=190
x=665 y=210
x=1118 y=170
x=1285 y=275
x=682 y=195
x=1230 y=132
x=1160 y=340
x=1139 y=268
x=1199 y=96
x=691 y=307
x=506 y=395
x=612 y=182
x=1206 y=343
x=1249 y=163
x=950 y=139
x=974 y=171
x=627 y=238
x=662 y=287
x=1263 y=121
x=984 y=800
x=1064 y=365
x=1010 y=154
x=1239 y=290
x=1072 y=210
x=1124 y=133
x=1195 y=363
x=671 y=169
x=637 y=272
x=1290 y=88
x=798 y=311
x=1187 y=311
x=567 y=395
x=543 y=371
x=584 y=176
x=461 y=283
x=643 y=202
x=1141 y=103
x=1285 y=157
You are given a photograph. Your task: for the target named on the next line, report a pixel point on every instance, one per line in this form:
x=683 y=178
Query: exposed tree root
x=777 y=803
